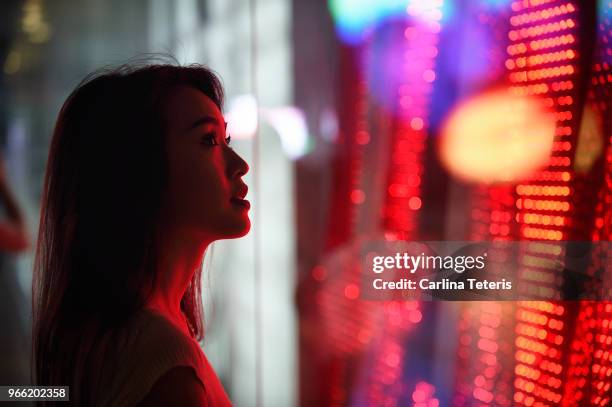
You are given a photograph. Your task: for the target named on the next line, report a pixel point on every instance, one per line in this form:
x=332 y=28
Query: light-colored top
x=140 y=354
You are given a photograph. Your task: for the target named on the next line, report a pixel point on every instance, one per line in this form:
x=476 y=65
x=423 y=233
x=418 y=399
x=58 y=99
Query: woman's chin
x=246 y=228
x=238 y=229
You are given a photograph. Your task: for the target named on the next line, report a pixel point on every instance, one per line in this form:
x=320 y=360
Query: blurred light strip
x=590 y=364
x=485 y=374
x=542 y=49
x=403 y=199
x=349 y=323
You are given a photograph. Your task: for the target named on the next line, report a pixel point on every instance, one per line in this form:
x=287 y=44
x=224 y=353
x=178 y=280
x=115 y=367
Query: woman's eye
x=209 y=139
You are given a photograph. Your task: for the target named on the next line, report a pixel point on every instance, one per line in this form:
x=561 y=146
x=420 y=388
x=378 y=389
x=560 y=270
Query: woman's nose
x=238 y=167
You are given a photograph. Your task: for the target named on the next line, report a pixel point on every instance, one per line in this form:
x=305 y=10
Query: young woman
x=141 y=178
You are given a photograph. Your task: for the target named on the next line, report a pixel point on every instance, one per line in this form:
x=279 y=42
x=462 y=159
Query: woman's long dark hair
x=96 y=256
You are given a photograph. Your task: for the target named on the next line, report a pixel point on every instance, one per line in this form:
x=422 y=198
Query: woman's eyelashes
x=210 y=139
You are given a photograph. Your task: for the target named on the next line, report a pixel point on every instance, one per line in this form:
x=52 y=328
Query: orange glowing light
x=496 y=137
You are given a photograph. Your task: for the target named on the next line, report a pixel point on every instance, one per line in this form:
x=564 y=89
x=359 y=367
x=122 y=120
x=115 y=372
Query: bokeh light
x=355 y=18
x=496 y=137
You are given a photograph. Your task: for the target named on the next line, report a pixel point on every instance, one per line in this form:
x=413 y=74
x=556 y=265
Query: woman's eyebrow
x=204 y=120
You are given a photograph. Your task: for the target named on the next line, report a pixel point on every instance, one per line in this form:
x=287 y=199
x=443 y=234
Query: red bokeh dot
x=357 y=196
x=351 y=291
x=415 y=203
x=319 y=273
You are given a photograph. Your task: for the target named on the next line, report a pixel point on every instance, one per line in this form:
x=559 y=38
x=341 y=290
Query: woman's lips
x=241 y=202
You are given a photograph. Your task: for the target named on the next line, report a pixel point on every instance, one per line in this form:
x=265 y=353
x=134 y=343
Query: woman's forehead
x=186 y=105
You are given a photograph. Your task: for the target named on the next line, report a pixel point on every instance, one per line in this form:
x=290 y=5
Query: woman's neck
x=179 y=260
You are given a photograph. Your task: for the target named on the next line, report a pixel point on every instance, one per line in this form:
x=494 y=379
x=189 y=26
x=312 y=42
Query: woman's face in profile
x=205 y=187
